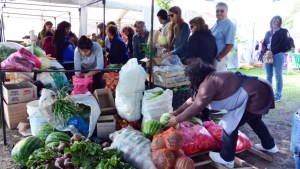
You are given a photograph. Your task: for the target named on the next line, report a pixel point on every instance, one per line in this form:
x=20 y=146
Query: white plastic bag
x=136 y=148
x=154 y=106
x=129 y=91
x=48 y=98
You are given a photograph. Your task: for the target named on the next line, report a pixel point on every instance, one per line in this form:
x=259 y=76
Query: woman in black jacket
x=118 y=53
x=274 y=45
x=201 y=44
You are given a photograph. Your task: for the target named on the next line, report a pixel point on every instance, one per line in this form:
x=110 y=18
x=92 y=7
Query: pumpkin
x=158 y=143
x=184 y=162
x=174 y=140
x=164 y=159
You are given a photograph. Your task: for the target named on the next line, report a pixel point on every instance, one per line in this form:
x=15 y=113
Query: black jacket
x=202 y=45
x=118 y=51
x=279 y=41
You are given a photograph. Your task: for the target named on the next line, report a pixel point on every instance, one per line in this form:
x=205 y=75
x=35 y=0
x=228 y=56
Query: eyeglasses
x=220 y=11
x=171 y=15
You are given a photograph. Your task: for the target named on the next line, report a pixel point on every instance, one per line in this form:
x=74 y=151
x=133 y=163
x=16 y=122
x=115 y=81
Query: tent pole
x=104 y=4
x=151 y=45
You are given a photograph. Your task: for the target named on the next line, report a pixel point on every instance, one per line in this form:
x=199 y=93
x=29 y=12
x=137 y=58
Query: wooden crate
x=14 y=114
x=202 y=159
x=169 y=80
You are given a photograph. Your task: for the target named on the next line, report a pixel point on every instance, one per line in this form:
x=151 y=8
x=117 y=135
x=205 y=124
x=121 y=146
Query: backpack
x=289 y=45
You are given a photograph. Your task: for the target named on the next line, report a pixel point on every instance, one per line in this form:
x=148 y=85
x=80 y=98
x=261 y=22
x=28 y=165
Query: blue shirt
x=224 y=32
x=181 y=41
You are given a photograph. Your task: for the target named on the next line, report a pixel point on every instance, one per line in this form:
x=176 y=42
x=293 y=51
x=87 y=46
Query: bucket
x=36 y=118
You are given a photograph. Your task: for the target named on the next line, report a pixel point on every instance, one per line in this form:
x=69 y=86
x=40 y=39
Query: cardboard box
x=14 y=114
x=105 y=126
x=106 y=101
x=155 y=61
x=19 y=92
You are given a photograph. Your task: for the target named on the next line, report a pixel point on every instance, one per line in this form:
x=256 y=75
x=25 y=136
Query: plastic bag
x=243 y=142
x=54 y=81
x=48 y=98
x=156 y=102
x=196 y=139
x=81 y=85
x=129 y=92
x=136 y=148
x=171 y=61
x=21 y=60
x=80 y=124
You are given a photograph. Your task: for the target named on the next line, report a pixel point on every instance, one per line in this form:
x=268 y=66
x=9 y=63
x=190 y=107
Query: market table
x=56 y=67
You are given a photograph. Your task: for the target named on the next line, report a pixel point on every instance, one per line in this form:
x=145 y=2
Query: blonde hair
x=200 y=24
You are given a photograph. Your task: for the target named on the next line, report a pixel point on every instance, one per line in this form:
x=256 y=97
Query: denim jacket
x=295 y=137
x=181 y=41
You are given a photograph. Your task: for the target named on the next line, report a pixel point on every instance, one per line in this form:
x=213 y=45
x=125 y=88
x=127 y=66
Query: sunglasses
x=220 y=11
x=171 y=15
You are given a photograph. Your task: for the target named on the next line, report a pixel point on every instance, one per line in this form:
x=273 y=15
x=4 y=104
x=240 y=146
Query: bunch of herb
x=112 y=158
x=5 y=52
x=42 y=158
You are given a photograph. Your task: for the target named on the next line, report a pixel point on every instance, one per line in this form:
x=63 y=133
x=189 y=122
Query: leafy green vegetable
x=85 y=154
x=156 y=94
x=42 y=158
x=112 y=159
x=5 y=52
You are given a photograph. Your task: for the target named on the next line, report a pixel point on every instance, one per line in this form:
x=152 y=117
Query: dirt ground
x=278 y=122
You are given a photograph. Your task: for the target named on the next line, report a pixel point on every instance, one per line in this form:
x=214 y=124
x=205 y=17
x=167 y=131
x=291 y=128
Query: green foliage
x=42 y=158
x=164 y=4
x=146 y=49
x=288 y=21
x=5 y=52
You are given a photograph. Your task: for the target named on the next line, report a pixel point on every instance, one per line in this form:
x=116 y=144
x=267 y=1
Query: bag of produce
x=111 y=81
x=196 y=138
x=37 y=51
x=156 y=102
x=136 y=148
x=81 y=85
x=243 y=142
x=164 y=159
x=22 y=60
x=60 y=111
x=129 y=92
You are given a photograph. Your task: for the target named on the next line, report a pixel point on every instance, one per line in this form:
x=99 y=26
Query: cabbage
x=164 y=118
x=45 y=63
x=162 y=40
x=37 y=51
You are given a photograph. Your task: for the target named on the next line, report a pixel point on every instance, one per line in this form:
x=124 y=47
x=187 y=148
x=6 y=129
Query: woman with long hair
x=201 y=44
x=129 y=32
x=179 y=33
x=245 y=98
x=42 y=34
x=274 y=46
x=65 y=42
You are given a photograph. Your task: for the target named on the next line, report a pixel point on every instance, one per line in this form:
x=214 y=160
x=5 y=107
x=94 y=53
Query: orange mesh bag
x=173 y=139
x=158 y=142
x=184 y=162
x=178 y=153
x=163 y=159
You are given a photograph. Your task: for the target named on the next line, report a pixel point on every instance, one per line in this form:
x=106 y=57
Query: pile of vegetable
x=111 y=80
x=63 y=152
x=5 y=52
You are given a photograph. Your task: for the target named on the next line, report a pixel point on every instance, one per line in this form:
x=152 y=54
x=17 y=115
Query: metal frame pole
x=151 y=45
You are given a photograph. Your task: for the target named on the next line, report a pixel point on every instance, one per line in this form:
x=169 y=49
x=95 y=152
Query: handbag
x=268 y=57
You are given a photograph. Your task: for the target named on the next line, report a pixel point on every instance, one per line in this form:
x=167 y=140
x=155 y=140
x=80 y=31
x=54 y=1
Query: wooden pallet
x=238 y=163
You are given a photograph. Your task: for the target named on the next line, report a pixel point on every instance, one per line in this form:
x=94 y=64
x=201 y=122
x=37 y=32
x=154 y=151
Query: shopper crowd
x=204 y=50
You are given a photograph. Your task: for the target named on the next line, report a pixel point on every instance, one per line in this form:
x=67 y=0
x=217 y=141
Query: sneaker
x=272 y=150
x=218 y=159
x=277 y=100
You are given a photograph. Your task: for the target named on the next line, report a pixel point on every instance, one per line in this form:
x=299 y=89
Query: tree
x=164 y=4
x=288 y=21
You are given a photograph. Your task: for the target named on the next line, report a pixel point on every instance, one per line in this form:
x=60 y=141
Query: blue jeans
x=295 y=138
x=277 y=64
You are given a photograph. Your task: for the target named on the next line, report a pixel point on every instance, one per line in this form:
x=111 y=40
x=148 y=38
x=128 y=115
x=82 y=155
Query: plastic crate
x=297 y=59
x=180 y=96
